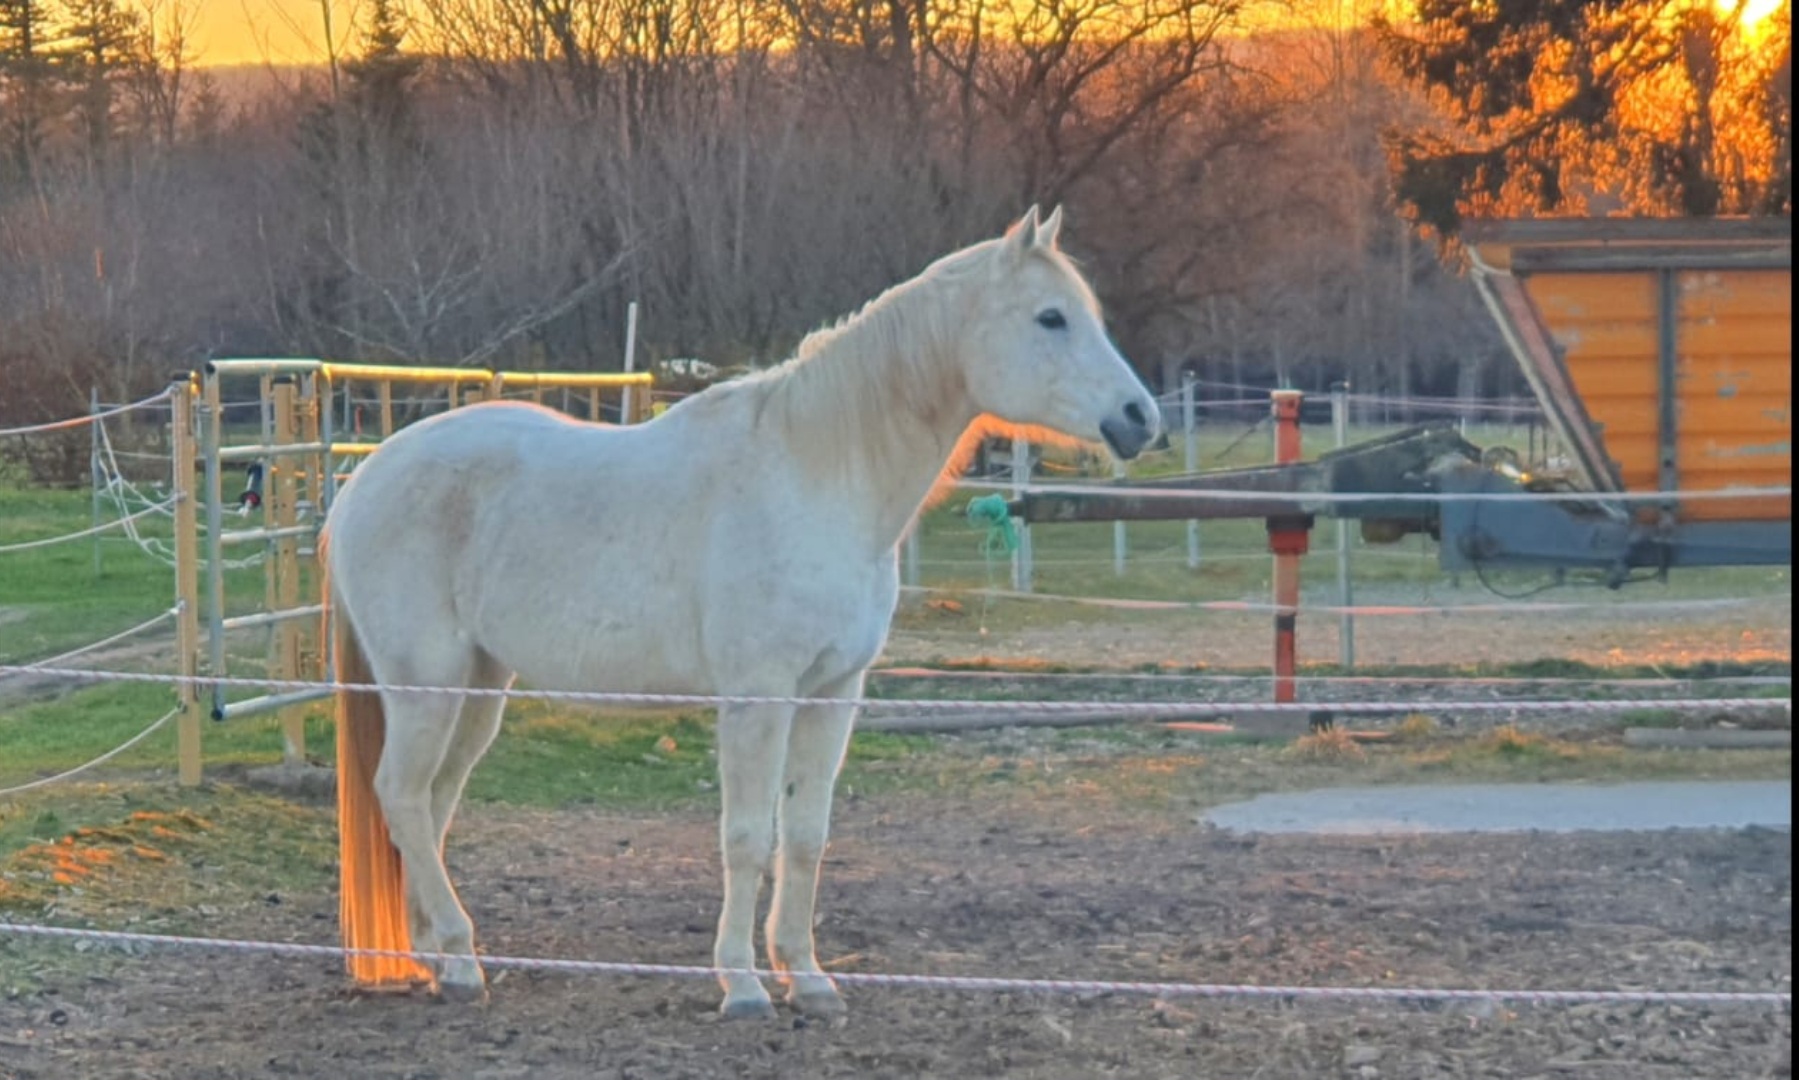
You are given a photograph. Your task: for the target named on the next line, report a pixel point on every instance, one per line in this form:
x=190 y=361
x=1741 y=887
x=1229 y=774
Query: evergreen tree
x=381 y=78
x=1646 y=104
x=27 y=77
x=97 y=51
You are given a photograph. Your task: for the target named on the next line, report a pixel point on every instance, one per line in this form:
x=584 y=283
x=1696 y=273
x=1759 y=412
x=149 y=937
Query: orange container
x=1661 y=351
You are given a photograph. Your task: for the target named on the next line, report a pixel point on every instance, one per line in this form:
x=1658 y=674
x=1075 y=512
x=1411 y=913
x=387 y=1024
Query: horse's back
x=420 y=520
x=565 y=550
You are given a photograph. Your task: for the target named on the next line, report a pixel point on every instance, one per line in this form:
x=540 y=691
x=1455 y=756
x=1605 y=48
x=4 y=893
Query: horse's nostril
x=1134 y=413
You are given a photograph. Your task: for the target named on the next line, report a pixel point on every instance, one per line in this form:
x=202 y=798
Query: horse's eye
x=1051 y=319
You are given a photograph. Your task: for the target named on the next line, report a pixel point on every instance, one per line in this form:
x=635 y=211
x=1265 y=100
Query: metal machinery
x=1661 y=353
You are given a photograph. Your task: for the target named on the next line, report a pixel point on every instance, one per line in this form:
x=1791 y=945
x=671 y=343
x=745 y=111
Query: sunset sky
x=292 y=31
x=275 y=31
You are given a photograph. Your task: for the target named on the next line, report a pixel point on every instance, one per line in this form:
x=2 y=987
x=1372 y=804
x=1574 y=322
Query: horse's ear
x=1051 y=229
x=1020 y=237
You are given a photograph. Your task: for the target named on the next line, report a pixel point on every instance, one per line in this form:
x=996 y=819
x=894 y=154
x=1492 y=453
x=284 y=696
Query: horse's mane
x=890 y=359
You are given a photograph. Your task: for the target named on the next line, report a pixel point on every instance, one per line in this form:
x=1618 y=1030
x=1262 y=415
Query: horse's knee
x=803 y=849
x=748 y=848
x=400 y=796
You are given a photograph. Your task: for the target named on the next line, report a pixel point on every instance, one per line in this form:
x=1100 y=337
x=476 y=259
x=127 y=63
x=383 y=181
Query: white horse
x=742 y=544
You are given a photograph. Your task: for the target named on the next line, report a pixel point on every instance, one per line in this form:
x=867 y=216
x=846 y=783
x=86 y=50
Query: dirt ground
x=976 y=884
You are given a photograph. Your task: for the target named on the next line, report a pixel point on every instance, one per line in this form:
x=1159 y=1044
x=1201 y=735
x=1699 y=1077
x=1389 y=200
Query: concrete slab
x=1513 y=808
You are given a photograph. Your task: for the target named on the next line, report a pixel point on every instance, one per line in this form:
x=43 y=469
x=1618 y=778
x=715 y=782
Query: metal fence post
x=1021 y=478
x=1120 y=539
x=282 y=577
x=1189 y=423
x=210 y=435
x=1345 y=587
x=96 y=470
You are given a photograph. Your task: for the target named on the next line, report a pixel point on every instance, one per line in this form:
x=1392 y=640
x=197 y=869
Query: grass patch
x=51 y=599
x=1650 y=718
x=550 y=757
x=178 y=855
x=47 y=737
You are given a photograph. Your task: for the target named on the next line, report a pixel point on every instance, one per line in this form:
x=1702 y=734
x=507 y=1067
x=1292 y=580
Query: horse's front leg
x=815 y=750
x=752 y=741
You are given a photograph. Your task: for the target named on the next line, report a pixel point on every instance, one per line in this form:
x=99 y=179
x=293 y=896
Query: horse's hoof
x=747 y=1009
x=463 y=993
x=821 y=1004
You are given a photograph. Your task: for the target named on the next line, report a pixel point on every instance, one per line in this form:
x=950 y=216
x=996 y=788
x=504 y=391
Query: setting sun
x=1754 y=11
x=1753 y=15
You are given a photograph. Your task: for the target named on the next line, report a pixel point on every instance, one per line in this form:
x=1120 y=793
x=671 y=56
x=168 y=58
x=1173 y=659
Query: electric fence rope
x=155 y=620
x=86 y=418
x=68 y=774
x=1256 y=607
x=1123 y=708
x=119 y=488
x=965 y=983
x=1347 y=498
x=29 y=545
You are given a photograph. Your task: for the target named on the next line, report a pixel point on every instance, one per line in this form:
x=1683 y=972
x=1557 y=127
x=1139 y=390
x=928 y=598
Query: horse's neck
x=876 y=412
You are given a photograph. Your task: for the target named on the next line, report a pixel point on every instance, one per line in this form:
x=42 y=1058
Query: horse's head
x=1037 y=350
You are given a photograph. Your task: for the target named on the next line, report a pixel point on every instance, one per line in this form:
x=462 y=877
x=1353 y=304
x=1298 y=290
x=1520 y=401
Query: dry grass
x=1415 y=727
x=1331 y=744
x=1510 y=741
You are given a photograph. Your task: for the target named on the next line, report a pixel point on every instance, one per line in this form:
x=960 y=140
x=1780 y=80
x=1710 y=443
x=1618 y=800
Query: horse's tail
x=372 y=888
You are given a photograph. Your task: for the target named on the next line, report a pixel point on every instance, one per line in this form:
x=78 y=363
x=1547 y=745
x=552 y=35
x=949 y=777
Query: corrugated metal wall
x=1733 y=404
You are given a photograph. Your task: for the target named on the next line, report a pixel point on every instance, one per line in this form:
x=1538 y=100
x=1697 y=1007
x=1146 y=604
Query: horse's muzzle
x=1130 y=431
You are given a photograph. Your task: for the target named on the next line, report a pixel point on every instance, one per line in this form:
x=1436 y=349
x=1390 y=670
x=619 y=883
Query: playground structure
x=1661 y=351
x=311 y=433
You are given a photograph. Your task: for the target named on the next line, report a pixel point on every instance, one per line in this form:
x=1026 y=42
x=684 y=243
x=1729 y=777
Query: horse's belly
x=598 y=659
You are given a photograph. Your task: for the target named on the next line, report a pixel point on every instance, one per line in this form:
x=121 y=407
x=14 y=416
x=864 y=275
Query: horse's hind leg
x=815 y=751
x=752 y=741
x=476 y=725
x=419 y=729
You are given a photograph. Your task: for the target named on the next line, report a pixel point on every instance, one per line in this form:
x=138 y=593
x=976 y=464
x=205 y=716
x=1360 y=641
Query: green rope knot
x=1002 y=532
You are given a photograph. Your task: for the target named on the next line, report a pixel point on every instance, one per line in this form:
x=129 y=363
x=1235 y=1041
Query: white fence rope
x=1165 y=556
x=1259 y=607
x=101 y=760
x=154 y=620
x=47 y=541
x=119 y=488
x=1347 y=497
x=982 y=983
x=911 y=672
x=1121 y=708
x=78 y=421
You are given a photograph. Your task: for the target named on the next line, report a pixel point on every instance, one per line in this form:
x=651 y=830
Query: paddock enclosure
x=1060 y=870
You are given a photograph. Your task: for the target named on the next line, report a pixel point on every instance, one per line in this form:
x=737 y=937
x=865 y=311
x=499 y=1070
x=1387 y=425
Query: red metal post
x=1289 y=537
